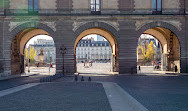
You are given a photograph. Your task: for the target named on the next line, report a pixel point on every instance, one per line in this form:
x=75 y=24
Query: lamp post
x=63 y=51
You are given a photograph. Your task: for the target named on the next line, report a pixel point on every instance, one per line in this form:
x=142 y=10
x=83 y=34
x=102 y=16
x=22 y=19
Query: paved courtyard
x=41 y=70
x=95 y=68
x=58 y=97
x=153 y=92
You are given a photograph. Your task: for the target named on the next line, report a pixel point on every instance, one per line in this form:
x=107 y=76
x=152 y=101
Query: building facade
x=91 y=50
x=48 y=48
x=143 y=43
x=121 y=22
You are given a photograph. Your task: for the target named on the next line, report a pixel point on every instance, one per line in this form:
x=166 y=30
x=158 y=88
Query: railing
x=81 y=12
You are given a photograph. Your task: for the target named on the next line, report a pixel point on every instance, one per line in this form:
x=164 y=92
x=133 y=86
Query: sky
x=93 y=36
x=31 y=41
x=146 y=36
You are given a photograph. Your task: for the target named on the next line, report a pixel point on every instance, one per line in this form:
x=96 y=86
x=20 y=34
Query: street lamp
x=63 y=51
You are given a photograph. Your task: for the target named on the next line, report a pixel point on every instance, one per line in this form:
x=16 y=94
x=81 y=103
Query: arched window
x=33 y=5
x=156 y=6
x=95 y=6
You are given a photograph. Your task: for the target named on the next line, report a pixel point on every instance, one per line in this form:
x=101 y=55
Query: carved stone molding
x=13 y=25
x=77 y=24
x=52 y=25
x=140 y=23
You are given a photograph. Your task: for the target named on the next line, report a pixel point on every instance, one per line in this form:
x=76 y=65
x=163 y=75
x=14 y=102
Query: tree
x=26 y=53
x=150 y=52
x=143 y=48
x=31 y=54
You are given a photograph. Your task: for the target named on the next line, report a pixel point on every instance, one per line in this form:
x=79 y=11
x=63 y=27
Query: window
x=33 y=5
x=156 y=6
x=95 y=6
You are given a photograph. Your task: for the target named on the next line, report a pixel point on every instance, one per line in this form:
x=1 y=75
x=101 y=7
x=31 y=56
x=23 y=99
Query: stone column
x=127 y=44
x=1 y=49
x=164 y=62
x=7 y=40
x=64 y=37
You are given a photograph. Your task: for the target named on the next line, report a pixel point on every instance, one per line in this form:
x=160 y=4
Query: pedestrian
x=139 y=69
x=38 y=64
x=91 y=63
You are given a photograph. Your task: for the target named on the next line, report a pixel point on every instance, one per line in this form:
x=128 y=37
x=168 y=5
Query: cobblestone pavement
x=95 y=68
x=9 y=83
x=148 y=69
x=41 y=70
x=156 y=93
x=61 y=96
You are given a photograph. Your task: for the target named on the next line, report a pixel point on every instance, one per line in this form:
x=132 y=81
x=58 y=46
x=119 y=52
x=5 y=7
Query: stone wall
x=1 y=48
x=126 y=5
x=110 y=4
x=64 y=4
x=7 y=40
x=64 y=33
x=185 y=57
x=44 y=4
x=168 y=6
x=140 y=4
x=64 y=36
x=18 y=4
x=171 y=4
x=127 y=44
x=81 y=4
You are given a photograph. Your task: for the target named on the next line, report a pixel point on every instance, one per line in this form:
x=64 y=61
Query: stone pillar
x=164 y=62
x=7 y=40
x=184 y=47
x=186 y=40
x=1 y=48
x=64 y=37
x=127 y=44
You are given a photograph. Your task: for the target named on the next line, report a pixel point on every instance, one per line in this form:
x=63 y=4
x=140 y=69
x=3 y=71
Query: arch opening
x=31 y=52
x=165 y=51
x=107 y=42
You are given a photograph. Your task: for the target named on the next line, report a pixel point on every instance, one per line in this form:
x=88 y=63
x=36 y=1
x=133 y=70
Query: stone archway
x=108 y=36
x=169 y=42
x=100 y=26
x=19 y=40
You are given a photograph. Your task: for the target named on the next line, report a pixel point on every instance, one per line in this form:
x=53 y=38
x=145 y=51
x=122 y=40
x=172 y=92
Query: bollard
x=89 y=79
x=82 y=79
x=51 y=78
x=76 y=78
x=47 y=79
x=175 y=68
x=54 y=77
x=131 y=70
x=41 y=79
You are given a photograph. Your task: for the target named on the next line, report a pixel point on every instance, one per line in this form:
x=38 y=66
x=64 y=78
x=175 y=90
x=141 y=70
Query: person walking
x=139 y=69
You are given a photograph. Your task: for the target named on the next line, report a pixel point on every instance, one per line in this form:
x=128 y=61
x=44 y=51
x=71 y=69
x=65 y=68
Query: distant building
x=48 y=47
x=90 y=50
x=144 y=41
